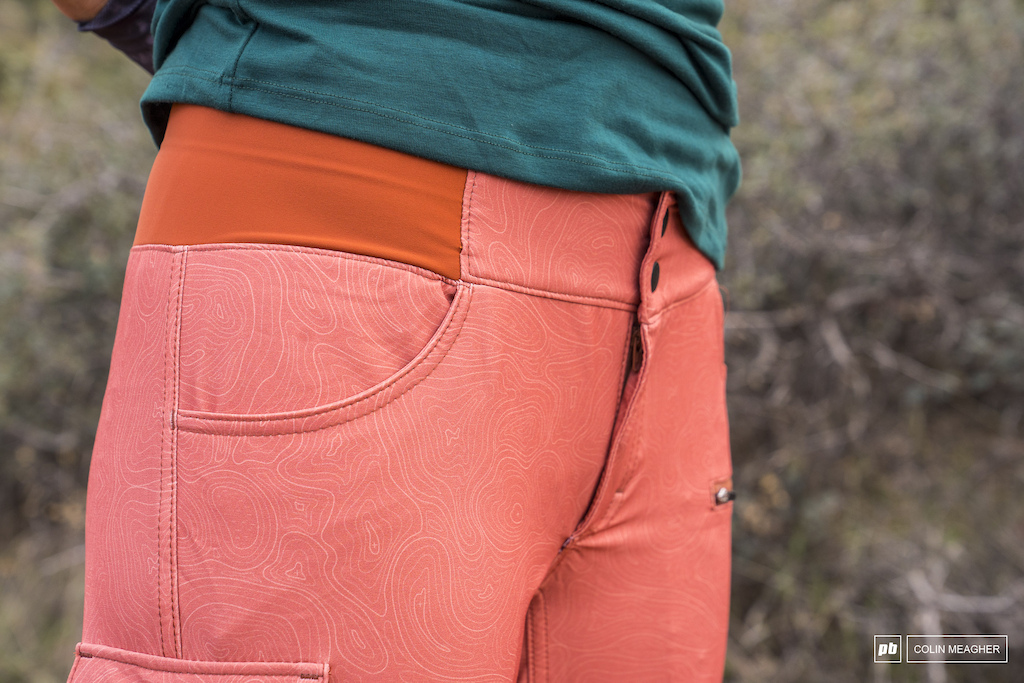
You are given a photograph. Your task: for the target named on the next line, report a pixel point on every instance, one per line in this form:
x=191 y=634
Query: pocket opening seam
x=202 y=422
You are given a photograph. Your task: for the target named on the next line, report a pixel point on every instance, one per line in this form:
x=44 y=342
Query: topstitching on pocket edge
x=138 y=666
x=347 y=409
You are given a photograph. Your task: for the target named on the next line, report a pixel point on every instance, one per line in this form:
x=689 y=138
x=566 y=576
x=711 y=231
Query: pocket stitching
x=302 y=670
x=444 y=333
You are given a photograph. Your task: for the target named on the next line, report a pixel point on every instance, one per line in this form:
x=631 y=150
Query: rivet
x=724 y=495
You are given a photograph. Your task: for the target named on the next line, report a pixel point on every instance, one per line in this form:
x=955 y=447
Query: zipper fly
x=636 y=349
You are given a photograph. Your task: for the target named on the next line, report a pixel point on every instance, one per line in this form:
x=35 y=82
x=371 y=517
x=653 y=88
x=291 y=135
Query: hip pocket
x=113 y=665
x=273 y=332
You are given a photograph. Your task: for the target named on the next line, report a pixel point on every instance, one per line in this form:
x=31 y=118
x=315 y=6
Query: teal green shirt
x=619 y=96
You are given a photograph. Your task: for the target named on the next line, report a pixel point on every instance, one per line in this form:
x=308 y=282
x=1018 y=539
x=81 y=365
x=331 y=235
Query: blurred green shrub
x=876 y=343
x=73 y=162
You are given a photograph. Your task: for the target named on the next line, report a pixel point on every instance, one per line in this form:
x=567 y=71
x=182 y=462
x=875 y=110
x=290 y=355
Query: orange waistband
x=223 y=177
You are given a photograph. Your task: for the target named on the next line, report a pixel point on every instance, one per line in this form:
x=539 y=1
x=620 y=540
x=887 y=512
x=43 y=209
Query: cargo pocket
x=112 y=665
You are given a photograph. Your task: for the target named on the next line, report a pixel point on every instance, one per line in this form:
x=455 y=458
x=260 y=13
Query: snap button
x=664 y=223
x=655 y=274
x=724 y=495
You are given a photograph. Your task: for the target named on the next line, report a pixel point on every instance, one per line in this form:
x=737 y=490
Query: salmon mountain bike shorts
x=375 y=418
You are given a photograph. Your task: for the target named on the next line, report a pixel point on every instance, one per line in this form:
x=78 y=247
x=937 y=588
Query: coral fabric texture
x=319 y=465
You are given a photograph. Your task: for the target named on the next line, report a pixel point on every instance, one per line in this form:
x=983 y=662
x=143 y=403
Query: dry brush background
x=875 y=335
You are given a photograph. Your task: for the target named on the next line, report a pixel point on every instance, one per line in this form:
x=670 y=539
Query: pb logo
x=887 y=649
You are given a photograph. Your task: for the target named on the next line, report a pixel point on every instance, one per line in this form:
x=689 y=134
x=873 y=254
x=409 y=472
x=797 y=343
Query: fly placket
x=621 y=460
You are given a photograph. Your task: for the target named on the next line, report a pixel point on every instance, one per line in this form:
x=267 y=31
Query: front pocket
x=113 y=665
x=268 y=330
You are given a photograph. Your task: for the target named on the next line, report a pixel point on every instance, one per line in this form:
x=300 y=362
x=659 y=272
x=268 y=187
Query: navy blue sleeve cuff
x=126 y=24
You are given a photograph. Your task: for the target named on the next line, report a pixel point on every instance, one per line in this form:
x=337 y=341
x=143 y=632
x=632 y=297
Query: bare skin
x=80 y=10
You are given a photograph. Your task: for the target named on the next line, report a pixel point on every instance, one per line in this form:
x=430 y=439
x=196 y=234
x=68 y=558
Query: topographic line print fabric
x=314 y=465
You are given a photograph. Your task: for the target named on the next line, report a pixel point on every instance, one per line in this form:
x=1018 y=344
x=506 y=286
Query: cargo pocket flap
x=101 y=663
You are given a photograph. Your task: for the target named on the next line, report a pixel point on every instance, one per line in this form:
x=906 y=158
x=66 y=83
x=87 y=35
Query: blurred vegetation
x=875 y=338
x=74 y=157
